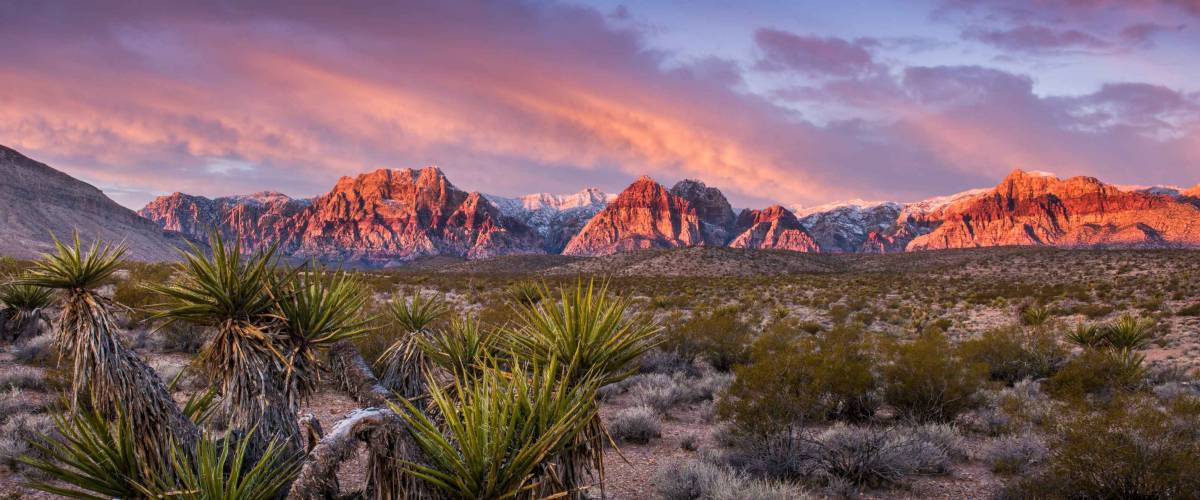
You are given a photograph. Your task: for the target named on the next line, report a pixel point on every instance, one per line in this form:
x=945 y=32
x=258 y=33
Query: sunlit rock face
x=1041 y=209
x=774 y=227
x=377 y=218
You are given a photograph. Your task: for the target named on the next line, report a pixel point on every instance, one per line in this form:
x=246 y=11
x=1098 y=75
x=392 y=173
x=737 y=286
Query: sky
x=793 y=102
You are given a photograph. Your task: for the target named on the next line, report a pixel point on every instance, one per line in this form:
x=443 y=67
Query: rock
x=772 y=228
x=716 y=216
x=1041 y=209
x=645 y=215
x=375 y=218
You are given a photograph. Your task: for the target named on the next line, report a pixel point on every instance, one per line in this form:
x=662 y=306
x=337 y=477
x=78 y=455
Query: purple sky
x=798 y=102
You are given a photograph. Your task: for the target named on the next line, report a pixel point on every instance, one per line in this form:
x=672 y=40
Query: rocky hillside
x=1043 y=210
x=645 y=215
x=773 y=228
x=37 y=201
x=260 y=218
x=378 y=218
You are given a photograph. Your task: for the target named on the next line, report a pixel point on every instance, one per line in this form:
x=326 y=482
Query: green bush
x=792 y=381
x=927 y=381
x=1126 y=450
x=719 y=336
x=1012 y=354
x=1098 y=371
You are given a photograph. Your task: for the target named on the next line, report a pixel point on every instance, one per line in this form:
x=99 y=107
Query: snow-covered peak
x=559 y=202
x=262 y=198
x=1172 y=191
x=851 y=205
x=933 y=204
x=541 y=211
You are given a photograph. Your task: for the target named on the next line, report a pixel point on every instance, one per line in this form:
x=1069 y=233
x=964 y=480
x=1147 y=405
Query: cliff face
x=37 y=201
x=259 y=219
x=644 y=215
x=1040 y=209
x=716 y=215
x=376 y=218
x=775 y=228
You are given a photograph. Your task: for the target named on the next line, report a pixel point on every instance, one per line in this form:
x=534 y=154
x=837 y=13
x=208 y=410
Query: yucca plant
x=225 y=471
x=461 y=349
x=1086 y=335
x=316 y=310
x=232 y=293
x=22 y=303
x=1128 y=332
x=92 y=458
x=402 y=364
x=105 y=373
x=584 y=334
x=525 y=293
x=1035 y=316
x=585 y=330
x=496 y=430
x=25 y=298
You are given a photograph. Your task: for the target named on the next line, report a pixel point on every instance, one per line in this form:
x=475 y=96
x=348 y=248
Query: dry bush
x=638 y=424
x=1015 y=454
x=23 y=377
x=697 y=480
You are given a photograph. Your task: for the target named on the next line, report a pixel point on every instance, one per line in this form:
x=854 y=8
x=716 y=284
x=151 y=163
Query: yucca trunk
x=388 y=442
x=404 y=366
x=114 y=378
x=354 y=375
x=253 y=390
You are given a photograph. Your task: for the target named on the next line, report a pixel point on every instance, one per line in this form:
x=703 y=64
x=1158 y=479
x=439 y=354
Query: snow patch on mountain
x=545 y=211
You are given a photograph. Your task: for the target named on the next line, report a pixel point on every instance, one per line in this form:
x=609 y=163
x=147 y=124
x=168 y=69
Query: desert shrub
x=696 y=480
x=663 y=361
x=1125 y=450
x=22 y=377
x=1170 y=391
x=16 y=435
x=690 y=442
x=945 y=437
x=663 y=392
x=37 y=351
x=1012 y=354
x=182 y=338
x=638 y=424
x=927 y=381
x=15 y=402
x=1014 y=454
x=718 y=335
x=1189 y=310
x=874 y=457
x=1096 y=372
x=809 y=379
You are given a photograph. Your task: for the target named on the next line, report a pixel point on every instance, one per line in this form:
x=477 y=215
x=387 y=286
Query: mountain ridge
x=38 y=203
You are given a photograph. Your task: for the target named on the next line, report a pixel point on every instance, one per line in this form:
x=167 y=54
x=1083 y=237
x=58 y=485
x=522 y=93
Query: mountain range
x=387 y=217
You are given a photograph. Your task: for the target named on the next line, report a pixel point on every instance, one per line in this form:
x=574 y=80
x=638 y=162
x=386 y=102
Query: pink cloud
x=520 y=97
x=818 y=56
